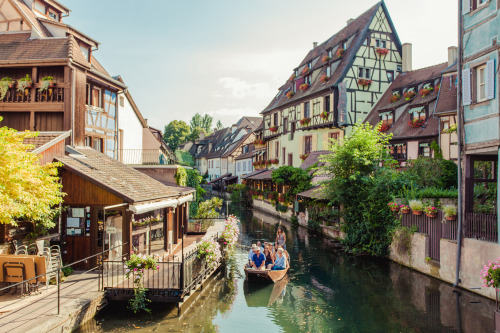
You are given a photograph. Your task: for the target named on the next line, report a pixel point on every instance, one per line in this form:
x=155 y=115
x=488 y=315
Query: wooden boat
x=262 y=295
x=267 y=275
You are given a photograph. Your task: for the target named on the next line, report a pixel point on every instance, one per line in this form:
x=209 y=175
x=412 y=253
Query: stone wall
x=475 y=253
x=268 y=208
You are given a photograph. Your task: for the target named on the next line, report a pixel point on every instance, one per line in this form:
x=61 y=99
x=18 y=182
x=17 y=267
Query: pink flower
x=135 y=269
x=157 y=267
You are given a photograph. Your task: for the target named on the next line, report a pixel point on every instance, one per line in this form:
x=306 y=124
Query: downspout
x=459 y=143
x=73 y=93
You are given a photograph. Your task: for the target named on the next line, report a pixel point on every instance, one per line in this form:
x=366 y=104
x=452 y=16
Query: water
x=326 y=291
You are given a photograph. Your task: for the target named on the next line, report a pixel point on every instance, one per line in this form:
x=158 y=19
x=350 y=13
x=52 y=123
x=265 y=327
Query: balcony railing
x=30 y=95
x=144 y=157
x=316 y=122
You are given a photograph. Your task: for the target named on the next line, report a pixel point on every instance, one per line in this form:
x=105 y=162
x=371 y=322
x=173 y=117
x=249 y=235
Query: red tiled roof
x=261 y=176
x=18 y=47
x=447 y=101
x=313 y=158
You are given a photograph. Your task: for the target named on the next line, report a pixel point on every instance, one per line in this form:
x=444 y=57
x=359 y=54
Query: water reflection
x=326 y=291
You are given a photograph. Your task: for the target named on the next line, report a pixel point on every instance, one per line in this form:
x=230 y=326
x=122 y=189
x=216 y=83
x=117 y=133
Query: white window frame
x=328 y=71
x=380 y=43
x=480 y=84
x=364 y=73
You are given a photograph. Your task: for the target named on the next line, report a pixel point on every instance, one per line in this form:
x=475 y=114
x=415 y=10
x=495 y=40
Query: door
x=290 y=159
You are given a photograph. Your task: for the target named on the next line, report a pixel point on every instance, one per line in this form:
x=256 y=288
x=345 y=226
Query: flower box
x=305 y=71
x=303 y=156
x=305 y=121
x=430 y=211
x=275 y=161
x=290 y=94
x=394 y=98
x=293 y=77
x=339 y=53
x=451 y=218
x=404 y=209
x=425 y=91
x=304 y=86
x=415 y=123
x=364 y=82
x=384 y=127
x=324 y=78
x=409 y=95
x=325 y=58
x=417 y=212
x=273 y=129
x=324 y=115
x=431 y=215
x=381 y=51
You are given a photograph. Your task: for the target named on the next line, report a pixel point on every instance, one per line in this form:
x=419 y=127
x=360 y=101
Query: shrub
x=449 y=210
x=416 y=205
x=313 y=225
x=491 y=274
x=294 y=221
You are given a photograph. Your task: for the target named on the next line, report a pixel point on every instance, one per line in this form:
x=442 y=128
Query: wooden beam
x=32 y=121
x=33 y=106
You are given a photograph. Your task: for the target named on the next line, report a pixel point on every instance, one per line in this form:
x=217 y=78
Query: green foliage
x=208 y=208
x=294 y=221
x=434 y=192
x=175 y=133
x=432 y=172
x=363 y=182
x=240 y=195
x=402 y=239
x=202 y=122
x=485 y=198
x=184 y=158
x=449 y=210
x=135 y=269
x=67 y=271
x=313 y=224
x=219 y=125
x=181 y=176
x=281 y=208
x=416 y=205
x=297 y=179
x=194 y=180
x=195 y=134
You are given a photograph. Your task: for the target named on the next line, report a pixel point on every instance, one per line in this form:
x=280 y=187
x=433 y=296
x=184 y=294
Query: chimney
x=407 y=57
x=452 y=55
x=315 y=45
x=233 y=128
x=202 y=135
x=349 y=21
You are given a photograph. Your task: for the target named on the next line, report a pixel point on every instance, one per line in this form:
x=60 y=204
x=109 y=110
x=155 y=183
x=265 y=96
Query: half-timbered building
x=334 y=87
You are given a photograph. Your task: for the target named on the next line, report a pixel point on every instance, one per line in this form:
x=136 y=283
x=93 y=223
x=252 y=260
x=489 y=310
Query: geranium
x=425 y=91
x=135 y=267
x=339 y=53
x=324 y=78
x=384 y=127
x=209 y=249
x=275 y=161
x=325 y=58
x=229 y=236
x=364 y=82
x=491 y=274
x=430 y=210
x=293 y=77
x=305 y=121
x=303 y=156
x=409 y=95
x=273 y=128
x=415 y=123
x=304 y=86
x=381 y=51
x=305 y=71
x=290 y=94
x=393 y=205
x=324 y=115
x=394 y=98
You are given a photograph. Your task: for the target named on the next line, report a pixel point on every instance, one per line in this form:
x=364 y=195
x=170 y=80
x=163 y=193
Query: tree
x=201 y=122
x=195 y=134
x=208 y=209
x=219 y=125
x=297 y=179
x=207 y=123
x=196 y=121
x=28 y=190
x=175 y=133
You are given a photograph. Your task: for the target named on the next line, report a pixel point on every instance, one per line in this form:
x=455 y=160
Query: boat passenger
x=281 y=238
x=259 y=244
x=280 y=261
x=258 y=259
x=269 y=257
x=250 y=255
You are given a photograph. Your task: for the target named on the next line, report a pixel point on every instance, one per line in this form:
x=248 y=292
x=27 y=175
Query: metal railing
x=481 y=226
x=143 y=156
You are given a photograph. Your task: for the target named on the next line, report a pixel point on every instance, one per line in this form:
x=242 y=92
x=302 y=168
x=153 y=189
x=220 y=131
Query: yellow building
x=334 y=87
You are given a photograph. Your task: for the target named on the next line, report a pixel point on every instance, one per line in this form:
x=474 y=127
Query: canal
x=327 y=290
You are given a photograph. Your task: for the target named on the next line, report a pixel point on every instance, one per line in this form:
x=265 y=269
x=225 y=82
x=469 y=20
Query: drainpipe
x=73 y=93
x=459 y=143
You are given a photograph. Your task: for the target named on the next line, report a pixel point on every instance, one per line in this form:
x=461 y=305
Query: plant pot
x=395 y=209
x=417 y=212
x=432 y=215
x=451 y=218
x=12 y=84
x=405 y=211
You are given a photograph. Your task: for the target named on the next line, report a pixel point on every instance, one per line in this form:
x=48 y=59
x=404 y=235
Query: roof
x=354 y=33
x=253 y=122
x=45 y=140
x=313 y=193
x=249 y=154
x=19 y=47
x=261 y=176
x=313 y=158
x=447 y=100
x=219 y=178
x=253 y=173
x=117 y=178
x=181 y=189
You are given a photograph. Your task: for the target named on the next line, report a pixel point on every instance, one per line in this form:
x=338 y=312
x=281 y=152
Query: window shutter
x=490 y=79
x=301 y=145
x=314 y=142
x=465 y=6
x=466 y=99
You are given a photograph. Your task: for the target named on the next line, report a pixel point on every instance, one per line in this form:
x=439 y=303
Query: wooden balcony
x=51 y=99
x=316 y=122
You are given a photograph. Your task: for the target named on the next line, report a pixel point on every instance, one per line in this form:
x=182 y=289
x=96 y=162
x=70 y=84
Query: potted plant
x=364 y=82
x=303 y=157
x=324 y=115
x=290 y=94
x=417 y=207
x=415 y=123
x=5 y=84
x=409 y=95
x=324 y=78
x=384 y=127
x=24 y=83
x=276 y=161
x=305 y=121
x=293 y=77
x=425 y=91
x=339 y=52
x=47 y=82
x=430 y=211
x=325 y=58
x=304 y=86
x=273 y=129
x=450 y=212
x=404 y=209
x=452 y=129
x=395 y=97
x=305 y=70
x=394 y=206
x=381 y=51
x=490 y=274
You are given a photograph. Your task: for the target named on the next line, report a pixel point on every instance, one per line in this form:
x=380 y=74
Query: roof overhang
x=51 y=143
x=168 y=203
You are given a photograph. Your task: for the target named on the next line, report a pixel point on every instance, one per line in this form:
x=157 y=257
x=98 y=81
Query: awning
x=147 y=207
x=227 y=179
x=253 y=173
x=313 y=193
x=417 y=109
x=262 y=176
x=219 y=178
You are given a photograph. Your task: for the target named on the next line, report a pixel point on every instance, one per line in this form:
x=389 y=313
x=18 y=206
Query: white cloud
x=242 y=89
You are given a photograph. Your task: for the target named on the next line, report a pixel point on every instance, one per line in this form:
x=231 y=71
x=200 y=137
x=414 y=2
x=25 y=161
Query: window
x=97 y=144
x=276 y=149
x=244 y=165
x=285 y=125
x=328 y=71
x=364 y=73
x=307 y=110
x=387 y=118
x=283 y=155
x=53 y=15
x=381 y=43
x=478 y=3
x=122 y=101
x=327 y=103
x=399 y=68
x=333 y=136
x=330 y=53
x=390 y=76
x=307 y=79
x=275 y=119
x=249 y=165
x=481 y=83
x=238 y=166
x=88 y=141
x=309 y=65
x=418 y=113
x=366 y=42
x=398 y=151
x=40 y=7
x=86 y=52
x=307 y=144
x=424 y=150
x=96 y=97
x=344 y=45
x=445 y=125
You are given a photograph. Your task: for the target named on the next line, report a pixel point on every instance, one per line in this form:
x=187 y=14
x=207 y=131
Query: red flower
x=364 y=82
x=381 y=51
x=273 y=128
x=325 y=58
x=305 y=70
x=304 y=156
x=324 y=78
x=339 y=53
x=305 y=121
x=384 y=127
x=415 y=123
x=290 y=94
x=395 y=98
x=425 y=91
x=304 y=86
x=409 y=95
x=324 y=115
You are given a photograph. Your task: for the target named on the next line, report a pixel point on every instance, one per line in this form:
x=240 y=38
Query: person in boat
x=269 y=256
x=281 y=238
x=250 y=255
x=259 y=244
x=280 y=261
x=258 y=259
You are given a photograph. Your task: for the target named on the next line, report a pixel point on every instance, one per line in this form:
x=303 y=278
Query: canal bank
x=327 y=291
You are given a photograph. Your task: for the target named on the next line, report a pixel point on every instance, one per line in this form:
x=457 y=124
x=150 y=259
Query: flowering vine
x=490 y=274
x=209 y=249
x=135 y=267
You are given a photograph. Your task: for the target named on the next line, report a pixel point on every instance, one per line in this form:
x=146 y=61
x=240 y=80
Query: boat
x=267 y=275
x=263 y=295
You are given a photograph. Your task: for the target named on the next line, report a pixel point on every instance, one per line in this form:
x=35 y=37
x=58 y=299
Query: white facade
x=130 y=131
x=243 y=167
x=214 y=168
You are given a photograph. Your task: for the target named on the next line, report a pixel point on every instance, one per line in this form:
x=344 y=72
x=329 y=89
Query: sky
x=229 y=57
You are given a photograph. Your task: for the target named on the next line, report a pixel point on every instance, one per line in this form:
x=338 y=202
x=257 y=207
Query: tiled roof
x=314 y=193
x=255 y=172
x=447 y=101
x=354 y=33
x=249 y=154
x=18 y=47
x=262 y=175
x=116 y=177
x=41 y=139
x=313 y=158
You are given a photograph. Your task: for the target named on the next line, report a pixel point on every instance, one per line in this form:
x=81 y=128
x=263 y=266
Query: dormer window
x=309 y=65
x=86 y=52
x=380 y=44
x=364 y=73
x=387 y=118
x=344 y=45
x=330 y=53
x=53 y=15
x=427 y=86
x=328 y=71
x=418 y=113
x=307 y=79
